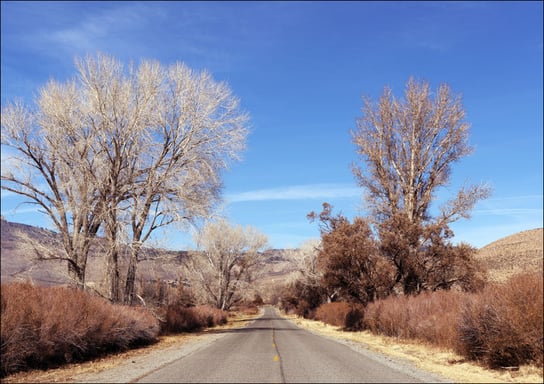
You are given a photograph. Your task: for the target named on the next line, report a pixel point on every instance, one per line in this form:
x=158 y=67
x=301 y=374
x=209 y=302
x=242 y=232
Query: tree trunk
x=131 y=275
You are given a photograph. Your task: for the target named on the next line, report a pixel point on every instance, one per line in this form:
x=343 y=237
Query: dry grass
x=67 y=373
x=433 y=359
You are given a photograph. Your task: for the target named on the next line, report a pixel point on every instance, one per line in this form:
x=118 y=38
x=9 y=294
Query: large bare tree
x=225 y=263
x=198 y=131
x=408 y=147
x=125 y=149
x=52 y=151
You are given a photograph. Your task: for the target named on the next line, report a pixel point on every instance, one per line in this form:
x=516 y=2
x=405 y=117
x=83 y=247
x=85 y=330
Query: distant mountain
x=522 y=251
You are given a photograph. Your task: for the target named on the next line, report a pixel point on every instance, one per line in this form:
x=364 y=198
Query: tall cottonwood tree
x=225 y=263
x=408 y=147
x=51 y=151
x=127 y=150
x=198 y=130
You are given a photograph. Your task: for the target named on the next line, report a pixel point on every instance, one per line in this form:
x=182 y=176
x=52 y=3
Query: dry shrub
x=247 y=309
x=355 y=318
x=333 y=313
x=346 y=315
x=179 y=318
x=211 y=315
x=49 y=326
x=429 y=316
x=503 y=326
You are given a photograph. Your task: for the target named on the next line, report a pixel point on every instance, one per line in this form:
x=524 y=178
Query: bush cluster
x=429 y=316
x=179 y=318
x=500 y=326
x=504 y=325
x=349 y=316
x=48 y=326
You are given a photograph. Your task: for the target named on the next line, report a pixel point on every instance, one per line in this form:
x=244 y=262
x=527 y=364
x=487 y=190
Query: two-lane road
x=274 y=350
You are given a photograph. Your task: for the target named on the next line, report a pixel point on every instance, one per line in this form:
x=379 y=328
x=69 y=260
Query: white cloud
x=296 y=192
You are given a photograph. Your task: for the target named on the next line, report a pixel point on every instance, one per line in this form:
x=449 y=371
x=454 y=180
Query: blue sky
x=300 y=70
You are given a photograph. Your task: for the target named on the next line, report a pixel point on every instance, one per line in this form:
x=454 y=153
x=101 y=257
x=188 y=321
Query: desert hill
x=522 y=251
x=19 y=261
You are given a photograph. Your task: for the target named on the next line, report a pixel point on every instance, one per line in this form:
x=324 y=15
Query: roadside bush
x=349 y=316
x=429 y=316
x=179 y=318
x=50 y=326
x=246 y=309
x=332 y=313
x=355 y=318
x=504 y=325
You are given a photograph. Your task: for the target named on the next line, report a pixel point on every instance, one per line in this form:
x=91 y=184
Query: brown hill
x=510 y=255
x=19 y=262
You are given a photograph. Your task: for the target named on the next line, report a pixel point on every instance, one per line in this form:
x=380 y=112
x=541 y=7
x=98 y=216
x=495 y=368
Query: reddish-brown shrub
x=355 y=318
x=333 y=313
x=247 y=309
x=178 y=318
x=210 y=315
x=503 y=326
x=43 y=326
x=349 y=316
x=429 y=316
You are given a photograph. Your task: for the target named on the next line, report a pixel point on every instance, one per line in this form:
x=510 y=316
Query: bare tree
x=127 y=150
x=199 y=130
x=53 y=150
x=305 y=261
x=224 y=265
x=408 y=147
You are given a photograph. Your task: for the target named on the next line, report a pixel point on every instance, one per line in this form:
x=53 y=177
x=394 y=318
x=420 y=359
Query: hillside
x=19 y=261
x=522 y=251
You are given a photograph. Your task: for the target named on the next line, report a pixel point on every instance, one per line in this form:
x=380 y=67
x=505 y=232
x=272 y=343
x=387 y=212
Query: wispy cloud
x=296 y=192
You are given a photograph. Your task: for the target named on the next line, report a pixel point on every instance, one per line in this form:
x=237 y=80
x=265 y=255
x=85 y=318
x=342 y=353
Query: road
x=274 y=350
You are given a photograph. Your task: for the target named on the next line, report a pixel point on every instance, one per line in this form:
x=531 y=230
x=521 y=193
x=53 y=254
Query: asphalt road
x=274 y=350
